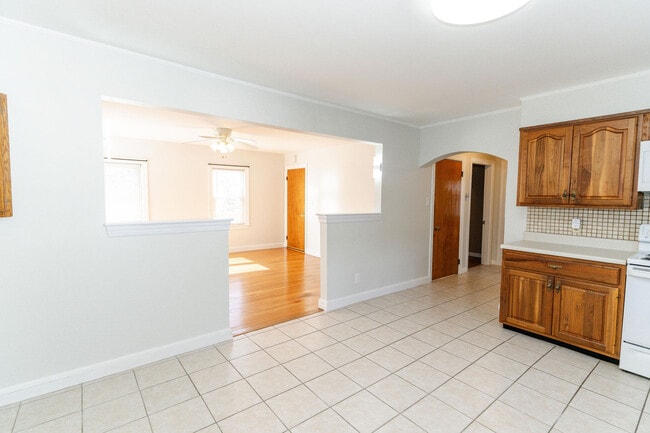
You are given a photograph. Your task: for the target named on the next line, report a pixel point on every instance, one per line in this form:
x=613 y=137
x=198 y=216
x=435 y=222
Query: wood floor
x=271 y=286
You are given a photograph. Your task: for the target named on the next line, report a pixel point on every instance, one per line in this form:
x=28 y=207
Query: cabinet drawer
x=564 y=267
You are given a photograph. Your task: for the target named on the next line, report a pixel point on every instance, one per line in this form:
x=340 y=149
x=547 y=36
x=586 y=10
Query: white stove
x=642 y=257
x=635 y=348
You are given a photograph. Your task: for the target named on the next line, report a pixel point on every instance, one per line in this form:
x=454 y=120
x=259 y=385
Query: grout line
x=645 y=404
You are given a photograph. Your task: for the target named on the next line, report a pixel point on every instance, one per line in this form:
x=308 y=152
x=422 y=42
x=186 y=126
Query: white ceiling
x=176 y=126
x=390 y=58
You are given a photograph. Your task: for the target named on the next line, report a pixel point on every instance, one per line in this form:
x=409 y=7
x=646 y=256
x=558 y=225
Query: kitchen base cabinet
x=525 y=300
x=575 y=301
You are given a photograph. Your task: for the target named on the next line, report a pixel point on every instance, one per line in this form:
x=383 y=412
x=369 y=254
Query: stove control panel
x=644 y=233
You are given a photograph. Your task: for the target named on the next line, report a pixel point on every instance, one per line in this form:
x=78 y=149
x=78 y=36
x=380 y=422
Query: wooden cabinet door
x=602 y=166
x=585 y=314
x=544 y=166
x=526 y=300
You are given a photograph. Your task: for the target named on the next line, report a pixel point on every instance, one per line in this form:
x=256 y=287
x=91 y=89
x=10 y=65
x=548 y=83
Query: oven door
x=636 y=320
x=635 y=348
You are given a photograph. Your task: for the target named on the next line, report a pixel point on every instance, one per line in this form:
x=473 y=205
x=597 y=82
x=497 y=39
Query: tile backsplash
x=594 y=223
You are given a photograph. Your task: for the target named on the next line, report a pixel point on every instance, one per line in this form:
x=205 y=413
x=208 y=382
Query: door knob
x=436 y=228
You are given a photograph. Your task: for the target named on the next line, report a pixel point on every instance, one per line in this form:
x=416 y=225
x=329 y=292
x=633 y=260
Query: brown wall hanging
x=6 y=209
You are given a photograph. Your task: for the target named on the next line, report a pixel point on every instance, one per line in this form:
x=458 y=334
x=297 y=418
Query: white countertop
x=573 y=251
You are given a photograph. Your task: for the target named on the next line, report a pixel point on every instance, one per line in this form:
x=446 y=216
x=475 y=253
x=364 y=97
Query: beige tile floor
x=428 y=359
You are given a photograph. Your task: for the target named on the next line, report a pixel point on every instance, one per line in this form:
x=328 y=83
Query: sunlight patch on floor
x=238 y=261
x=241 y=269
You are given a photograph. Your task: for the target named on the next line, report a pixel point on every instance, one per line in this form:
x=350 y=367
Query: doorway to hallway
x=268 y=287
x=476 y=219
x=481 y=212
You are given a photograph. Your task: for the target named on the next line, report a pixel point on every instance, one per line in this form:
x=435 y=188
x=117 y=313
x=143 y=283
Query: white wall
x=74 y=299
x=618 y=95
x=179 y=187
x=494 y=134
x=339 y=179
x=389 y=254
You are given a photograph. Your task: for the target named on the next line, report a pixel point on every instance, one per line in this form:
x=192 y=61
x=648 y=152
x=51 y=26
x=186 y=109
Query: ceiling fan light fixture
x=467 y=12
x=222 y=146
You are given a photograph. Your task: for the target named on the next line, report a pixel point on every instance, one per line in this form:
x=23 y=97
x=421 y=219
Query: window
x=126 y=186
x=229 y=193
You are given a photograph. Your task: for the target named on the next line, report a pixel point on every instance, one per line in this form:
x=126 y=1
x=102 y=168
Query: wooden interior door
x=296 y=209
x=446 y=218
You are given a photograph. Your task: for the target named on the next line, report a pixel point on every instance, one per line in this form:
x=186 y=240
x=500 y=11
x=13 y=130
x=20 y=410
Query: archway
x=491 y=223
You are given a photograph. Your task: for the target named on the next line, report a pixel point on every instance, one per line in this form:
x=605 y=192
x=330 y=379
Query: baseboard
x=255 y=247
x=334 y=304
x=66 y=379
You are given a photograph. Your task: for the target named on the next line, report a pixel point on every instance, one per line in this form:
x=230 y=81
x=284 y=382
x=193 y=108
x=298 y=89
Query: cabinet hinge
x=286 y=178
x=286 y=238
x=462 y=173
x=459 y=261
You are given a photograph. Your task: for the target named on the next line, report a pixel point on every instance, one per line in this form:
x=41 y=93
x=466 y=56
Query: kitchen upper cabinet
x=585 y=164
x=575 y=301
x=544 y=166
x=602 y=163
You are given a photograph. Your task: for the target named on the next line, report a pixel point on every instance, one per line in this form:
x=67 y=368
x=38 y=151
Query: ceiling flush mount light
x=466 y=12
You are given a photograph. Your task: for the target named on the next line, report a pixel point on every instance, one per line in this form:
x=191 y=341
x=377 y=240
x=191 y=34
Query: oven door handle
x=638 y=271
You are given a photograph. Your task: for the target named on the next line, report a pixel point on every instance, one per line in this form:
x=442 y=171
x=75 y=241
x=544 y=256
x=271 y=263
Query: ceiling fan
x=223 y=142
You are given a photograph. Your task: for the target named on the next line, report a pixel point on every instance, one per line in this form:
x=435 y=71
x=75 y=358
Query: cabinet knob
x=557 y=286
x=549 y=284
x=436 y=228
x=564 y=194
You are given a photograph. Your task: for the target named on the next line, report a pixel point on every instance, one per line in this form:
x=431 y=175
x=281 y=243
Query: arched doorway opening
x=480 y=206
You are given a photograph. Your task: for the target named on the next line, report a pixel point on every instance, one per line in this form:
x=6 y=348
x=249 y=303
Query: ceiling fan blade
x=245 y=140
x=198 y=141
x=209 y=137
x=241 y=144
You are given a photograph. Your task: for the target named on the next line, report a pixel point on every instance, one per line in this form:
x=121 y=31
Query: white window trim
x=144 y=181
x=246 y=170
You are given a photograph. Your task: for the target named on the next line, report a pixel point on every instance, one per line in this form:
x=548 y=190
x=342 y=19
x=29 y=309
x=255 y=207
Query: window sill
x=168 y=227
